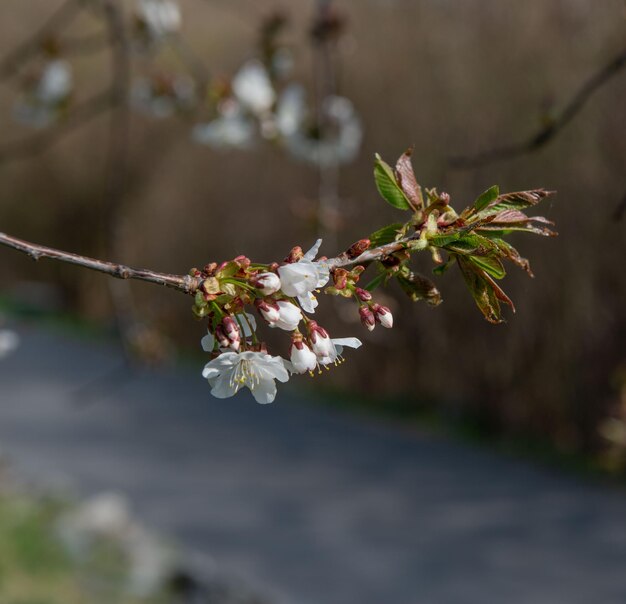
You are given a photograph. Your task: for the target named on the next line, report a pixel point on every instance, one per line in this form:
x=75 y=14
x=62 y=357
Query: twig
x=12 y=61
x=117 y=165
x=183 y=283
x=548 y=132
x=80 y=114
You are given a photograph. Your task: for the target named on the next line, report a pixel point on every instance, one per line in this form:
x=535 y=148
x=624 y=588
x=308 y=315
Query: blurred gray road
x=309 y=506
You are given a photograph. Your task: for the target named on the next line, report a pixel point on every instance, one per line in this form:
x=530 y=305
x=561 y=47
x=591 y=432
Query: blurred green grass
x=35 y=568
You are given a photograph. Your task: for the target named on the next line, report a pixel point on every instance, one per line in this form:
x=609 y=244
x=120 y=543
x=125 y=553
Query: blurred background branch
x=553 y=124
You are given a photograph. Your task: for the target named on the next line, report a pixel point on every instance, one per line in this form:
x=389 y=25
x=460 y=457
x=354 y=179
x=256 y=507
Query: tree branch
x=554 y=127
x=183 y=283
x=12 y=61
x=80 y=114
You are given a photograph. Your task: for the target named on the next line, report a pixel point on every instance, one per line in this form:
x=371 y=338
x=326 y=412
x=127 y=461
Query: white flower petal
x=264 y=392
x=349 y=342
x=310 y=255
x=225 y=387
x=208 y=342
x=308 y=302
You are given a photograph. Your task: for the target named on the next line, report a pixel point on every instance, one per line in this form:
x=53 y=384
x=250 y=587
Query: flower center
x=245 y=375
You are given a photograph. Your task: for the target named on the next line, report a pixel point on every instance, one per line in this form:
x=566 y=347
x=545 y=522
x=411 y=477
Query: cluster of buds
x=372 y=313
x=284 y=296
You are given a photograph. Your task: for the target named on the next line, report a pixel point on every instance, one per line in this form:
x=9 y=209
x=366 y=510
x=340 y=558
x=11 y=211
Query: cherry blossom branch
x=183 y=283
x=554 y=126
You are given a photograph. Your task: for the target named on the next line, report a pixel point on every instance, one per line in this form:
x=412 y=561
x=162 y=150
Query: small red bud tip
x=383 y=315
x=295 y=254
x=367 y=317
x=445 y=197
x=363 y=294
x=242 y=261
x=316 y=332
x=356 y=249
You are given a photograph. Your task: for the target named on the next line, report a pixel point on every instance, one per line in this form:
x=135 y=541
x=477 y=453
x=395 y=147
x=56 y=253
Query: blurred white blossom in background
x=161 y=95
x=46 y=95
x=338 y=143
x=156 y=19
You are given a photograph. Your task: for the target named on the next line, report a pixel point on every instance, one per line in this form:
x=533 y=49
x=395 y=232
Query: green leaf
x=485 y=291
x=471 y=243
x=418 y=287
x=386 y=234
x=443 y=240
x=376 y=281
x=489 y=264
x=486 y=198
x=387 y=185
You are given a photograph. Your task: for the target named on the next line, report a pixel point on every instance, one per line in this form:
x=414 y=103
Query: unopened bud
x=340 y=278
x=295 y=254
x=231 y=330
x=383 y=315
x=242 y=261
x=356 y=249
x=221 y=338
x=367 y=317
x=363 y=294
x=209 y=269
x=269 y=310
x=267 y=283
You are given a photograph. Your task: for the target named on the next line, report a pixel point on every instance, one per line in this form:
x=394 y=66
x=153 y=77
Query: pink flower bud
x=269 y=310
x=302 y=357
x=367 y=317
x=356 y=249
x=231 y=330
x=363 y=294
x=320 y=341
x=383 y=315
x=221 y=338
x=267 y=283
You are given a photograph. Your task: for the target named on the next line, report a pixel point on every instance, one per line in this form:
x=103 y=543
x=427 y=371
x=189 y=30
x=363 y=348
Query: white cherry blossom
x=252 y=87
x=231 y=371
x=300 y=279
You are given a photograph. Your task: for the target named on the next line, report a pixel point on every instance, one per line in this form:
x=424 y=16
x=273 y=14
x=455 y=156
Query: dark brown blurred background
x=448 y=76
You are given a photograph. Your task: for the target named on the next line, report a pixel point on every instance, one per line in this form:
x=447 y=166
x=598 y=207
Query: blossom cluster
x=284 y=297
x=260 y=102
